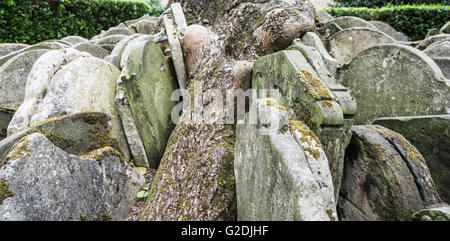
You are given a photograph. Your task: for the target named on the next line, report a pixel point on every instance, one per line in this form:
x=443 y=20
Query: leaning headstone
x=387 y=29
x=37 y=83
x=13 y=77
x=323 y=16
x=94 y=50
x=445 y=29
x=74 y=40
x=44 y=183
x=430 y=135
x=125 y=55
x=116 y=54
x=427 y=42
x=441 y=213
x=116 y=31
x=395 y=80
x=352 y=22
x=175 y=24
x=328 y=29
x=149 y=84
x=282 y=173
x=76 y=134
x=444 y=65
x=385 y=177
x=438 y=50
x=143 y=27
x=5 y=58
x=7 y=48
x=307 y=98
x=313 y=40
x=432 y=32
x=348 y=43
x=83 y=85
x=109 y=42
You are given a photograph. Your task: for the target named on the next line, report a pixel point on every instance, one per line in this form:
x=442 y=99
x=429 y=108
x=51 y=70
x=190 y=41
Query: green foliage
x=31 y=21
x=381 y=3
x=413 y=20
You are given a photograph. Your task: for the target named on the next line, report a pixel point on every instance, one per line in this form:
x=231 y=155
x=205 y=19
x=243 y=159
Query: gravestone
x=395 y=80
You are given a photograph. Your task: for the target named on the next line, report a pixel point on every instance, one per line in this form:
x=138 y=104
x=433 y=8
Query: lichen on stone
x=5 y=192
x=274 y=103
x=17 y=151
x=307 y=136
x=100 y=154
x=315 y=86
x=327 y=104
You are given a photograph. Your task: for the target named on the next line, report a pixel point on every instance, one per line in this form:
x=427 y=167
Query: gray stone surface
x=109 y=42
x=385 y=177
x=5 y=58
x=444 y=65
x=323 y=16
x=395 y=80
x=131 y=45
x=438 y=49
x=431 y=136
x=175 y=26
x=75 y=134
x=427 y=42
x=387 y=29
x=7 y=48
x=13 y=77
x=74 y=40
x=313 y=40
x=348 y=43
x=283 y=175
x=84 y=85
x=37 y=83
x=148 y=84
x=445 y=29
x=48 y=184
x=116 y=54
x=352 y=22
x=94 y=50
x=328 y=29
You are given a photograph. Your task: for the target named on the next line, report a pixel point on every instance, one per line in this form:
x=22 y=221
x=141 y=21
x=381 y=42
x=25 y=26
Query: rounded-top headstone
x=347 y=43
x=7 y=48
x=437 y=50
x=395 y=80
x=351 y=22
x=389 y=30
x=446 y=28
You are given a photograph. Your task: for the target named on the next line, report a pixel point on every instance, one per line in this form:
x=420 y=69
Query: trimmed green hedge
x=413 y=20
x=31 y=21
x=381 y=3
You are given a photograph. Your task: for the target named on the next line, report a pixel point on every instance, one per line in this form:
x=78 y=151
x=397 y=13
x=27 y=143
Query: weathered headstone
x=427 y=42
x=109 y=42
x=116 y=54
x=387 y=29
x=385 y=177
x=352 y=22
x=323 y=16
x=437 y=50
x=37 y=82
x=94 y=50
x=149 y=84
x=175 y=24
x=7 y=48
x=313 y=40
x=395 y=80
x=348 y=43
x=431 y=136
x=74 y=40
x=13 y=77
x=444 y=65
x=45 y=183
x=445 y=29
x=307 y=98
x=282 y=173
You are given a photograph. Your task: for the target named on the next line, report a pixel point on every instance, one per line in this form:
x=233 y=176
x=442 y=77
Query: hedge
x=31 y=21
x=413 y=20
x=381 y=3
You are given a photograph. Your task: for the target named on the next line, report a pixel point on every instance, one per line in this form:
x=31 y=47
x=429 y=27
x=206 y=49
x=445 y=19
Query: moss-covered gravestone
x=308 y=99
x=395 y=80
x=385 y=177
x=149 y=84
x=431 y=136
x=281 y=173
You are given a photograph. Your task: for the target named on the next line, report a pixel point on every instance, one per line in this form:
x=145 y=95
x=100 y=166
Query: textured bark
x=195 y=179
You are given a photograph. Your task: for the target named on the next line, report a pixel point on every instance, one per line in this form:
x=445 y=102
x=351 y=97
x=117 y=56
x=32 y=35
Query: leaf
x=142 y=194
